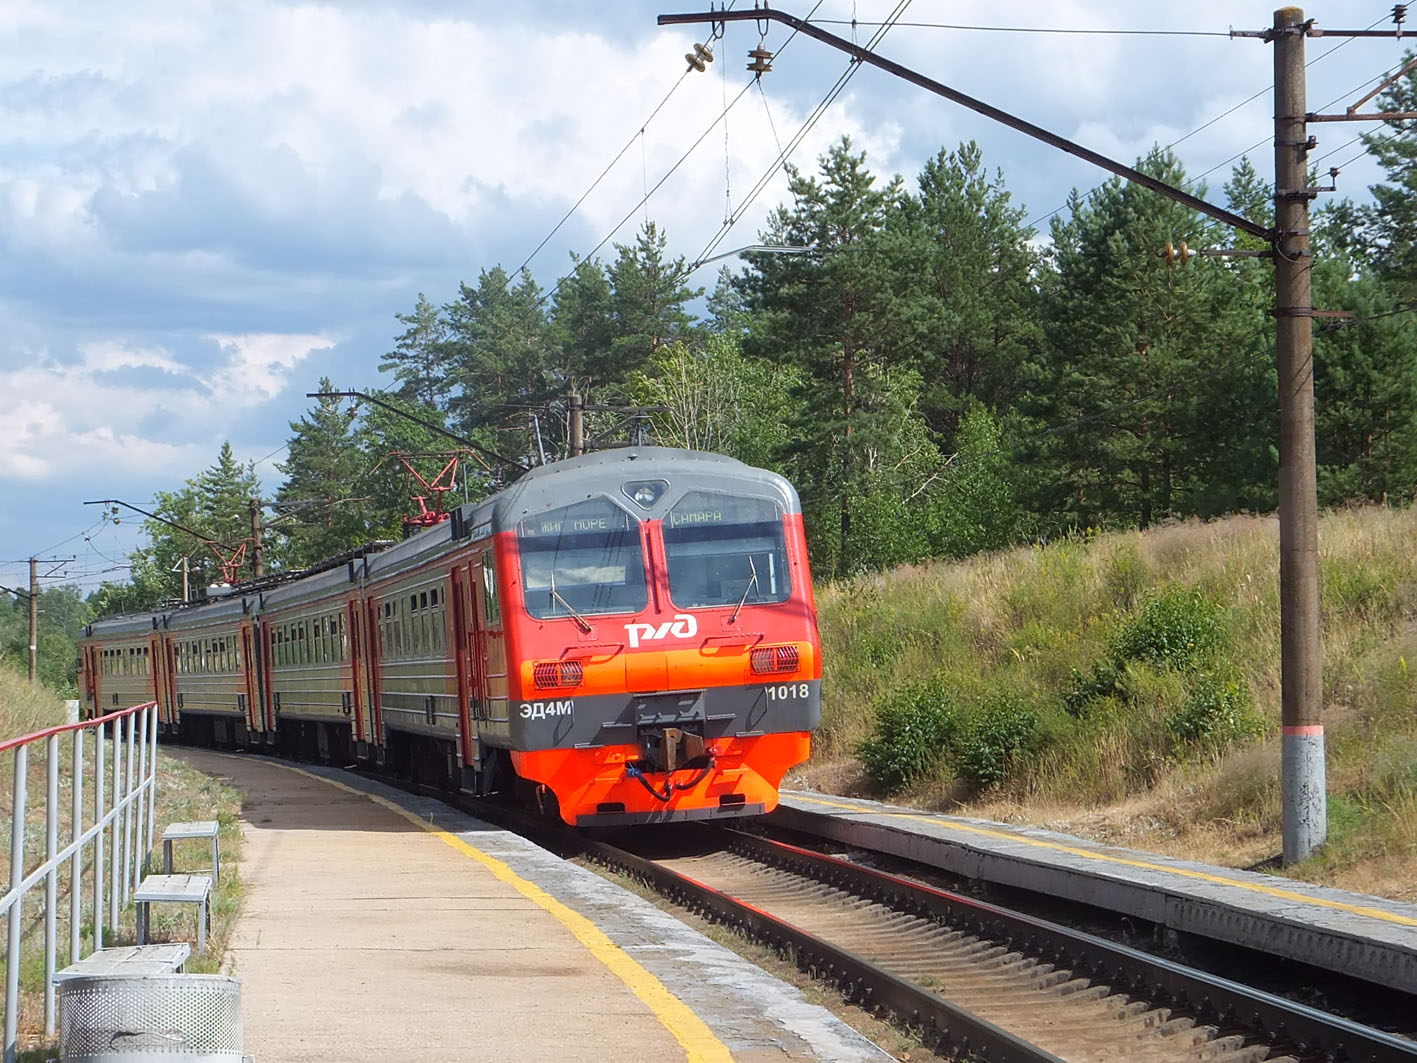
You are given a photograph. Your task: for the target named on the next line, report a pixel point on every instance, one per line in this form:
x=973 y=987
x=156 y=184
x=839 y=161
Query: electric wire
x=784 y=154
x=1039 y=220
x=1026 y=29
x=608 y=167
x=551 y=293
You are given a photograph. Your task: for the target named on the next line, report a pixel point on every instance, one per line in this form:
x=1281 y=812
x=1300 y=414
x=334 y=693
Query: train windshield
x=723 y=550
x=581 y=559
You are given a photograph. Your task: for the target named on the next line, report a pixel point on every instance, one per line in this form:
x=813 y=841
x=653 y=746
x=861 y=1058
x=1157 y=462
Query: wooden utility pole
x=258 y=557
x=1302 y=783
x=577 y=407
x=34 y=621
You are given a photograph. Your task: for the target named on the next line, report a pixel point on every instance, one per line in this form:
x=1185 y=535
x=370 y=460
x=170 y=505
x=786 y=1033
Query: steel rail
x=1277 y=1019
x=952 y=1027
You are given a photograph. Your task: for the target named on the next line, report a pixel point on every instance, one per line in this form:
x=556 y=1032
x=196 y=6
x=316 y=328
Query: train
x=624 y=637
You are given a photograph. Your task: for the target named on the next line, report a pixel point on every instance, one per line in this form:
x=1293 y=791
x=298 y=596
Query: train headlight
x=550 y=674
x=768 y=660
x=645 y=493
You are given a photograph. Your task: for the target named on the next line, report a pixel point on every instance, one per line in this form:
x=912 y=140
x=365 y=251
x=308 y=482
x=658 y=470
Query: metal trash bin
x=171 y=1018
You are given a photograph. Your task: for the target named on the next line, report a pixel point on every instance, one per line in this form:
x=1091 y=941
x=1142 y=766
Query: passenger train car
x=630 y=636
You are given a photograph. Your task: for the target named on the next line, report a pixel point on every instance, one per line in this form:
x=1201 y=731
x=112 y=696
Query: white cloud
x=102 y=414
x=259 y=364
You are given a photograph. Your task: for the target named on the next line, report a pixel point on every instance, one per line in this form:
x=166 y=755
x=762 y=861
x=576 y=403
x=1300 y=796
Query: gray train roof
x=320 y=584
x=231 y=608
x=606 y=472
x=132 y=625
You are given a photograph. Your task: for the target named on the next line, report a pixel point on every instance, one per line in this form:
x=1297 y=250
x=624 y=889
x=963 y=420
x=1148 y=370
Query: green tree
x=1155 y=374
x=1365 y=389
x=582 y=329
x=62 y=611
x=837 y=315
x=716 y=399
x=322 y=508
x=216 y=506
x=648 y=301
x=976 y=309
x=502 y=360
x=1391 y=230
x=419 y=360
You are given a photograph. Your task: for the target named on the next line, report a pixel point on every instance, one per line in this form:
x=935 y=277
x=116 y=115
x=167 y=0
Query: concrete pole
x=577 y=405
x=185 y=596
x=1303 y=787
x=34 y=621
x=258 y=555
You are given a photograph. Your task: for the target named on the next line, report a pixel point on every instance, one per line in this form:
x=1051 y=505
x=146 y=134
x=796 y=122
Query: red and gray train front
x=666 y=667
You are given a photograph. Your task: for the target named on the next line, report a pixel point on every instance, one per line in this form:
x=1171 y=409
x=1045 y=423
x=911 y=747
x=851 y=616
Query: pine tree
x=216 y=506
x=582 y=329
x=502 y=360
x=1149 y=385
x=976 y=311
x=1365 y=389
x=419 y=360
x=1391 y=228
x=837 y=315
x=322 y=508
x=648 y=300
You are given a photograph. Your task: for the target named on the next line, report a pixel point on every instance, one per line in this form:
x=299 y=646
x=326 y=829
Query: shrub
x=1104 y=682
x=1002 y=731
x=1178 y=628
x=1216 y=712
x=914 y=731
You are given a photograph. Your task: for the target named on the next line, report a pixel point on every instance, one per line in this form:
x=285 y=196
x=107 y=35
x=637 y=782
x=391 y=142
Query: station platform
x=377 y=925
x=1366 y=937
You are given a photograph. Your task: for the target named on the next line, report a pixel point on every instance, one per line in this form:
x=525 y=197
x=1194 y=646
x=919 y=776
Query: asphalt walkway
x=380 y=926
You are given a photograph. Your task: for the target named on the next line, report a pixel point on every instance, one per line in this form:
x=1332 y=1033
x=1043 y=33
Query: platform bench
x=203 y=828
x=175 y=889
x=128 y=961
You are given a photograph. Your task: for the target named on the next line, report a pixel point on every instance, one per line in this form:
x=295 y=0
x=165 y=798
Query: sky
x=208 y=205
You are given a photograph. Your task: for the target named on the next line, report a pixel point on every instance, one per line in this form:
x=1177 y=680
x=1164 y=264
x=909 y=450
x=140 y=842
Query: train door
x=268 y=656
x=374 y=646
x=93 y=671
x=465 y=660
x=157 y=678
x=490 y=647
x=358 y=670
x=250 y=663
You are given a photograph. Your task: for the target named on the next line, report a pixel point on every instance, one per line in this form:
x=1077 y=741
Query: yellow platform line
x=1254 y=887
x=698 y=1041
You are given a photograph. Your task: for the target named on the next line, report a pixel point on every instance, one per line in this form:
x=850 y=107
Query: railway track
x=985 y=982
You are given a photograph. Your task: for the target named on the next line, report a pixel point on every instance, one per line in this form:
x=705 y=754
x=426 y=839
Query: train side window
x=491 y=606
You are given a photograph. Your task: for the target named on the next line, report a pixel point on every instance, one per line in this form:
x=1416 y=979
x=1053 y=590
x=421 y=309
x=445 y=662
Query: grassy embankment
x=183 y=794
x=1126 y=687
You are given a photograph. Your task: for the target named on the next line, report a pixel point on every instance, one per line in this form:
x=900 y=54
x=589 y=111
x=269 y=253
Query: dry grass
x=1022 y=620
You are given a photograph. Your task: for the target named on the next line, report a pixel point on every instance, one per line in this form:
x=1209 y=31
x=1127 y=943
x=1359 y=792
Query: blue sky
x=207 y=205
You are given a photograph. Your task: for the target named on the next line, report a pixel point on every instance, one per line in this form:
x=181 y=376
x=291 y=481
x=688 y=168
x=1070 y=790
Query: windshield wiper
x=582 y=621
x=752 y=582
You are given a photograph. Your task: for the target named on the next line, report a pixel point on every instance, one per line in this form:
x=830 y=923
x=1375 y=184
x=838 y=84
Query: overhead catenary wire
x=1025 y=29
x=785 y=153
x=639 y=133
x=1040 y=219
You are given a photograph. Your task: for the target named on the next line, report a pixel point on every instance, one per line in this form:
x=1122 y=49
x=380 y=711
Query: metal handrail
x=131 y=764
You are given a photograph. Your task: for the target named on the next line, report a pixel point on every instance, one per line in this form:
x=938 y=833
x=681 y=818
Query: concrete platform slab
x=382 y=926
x=1367 y=937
